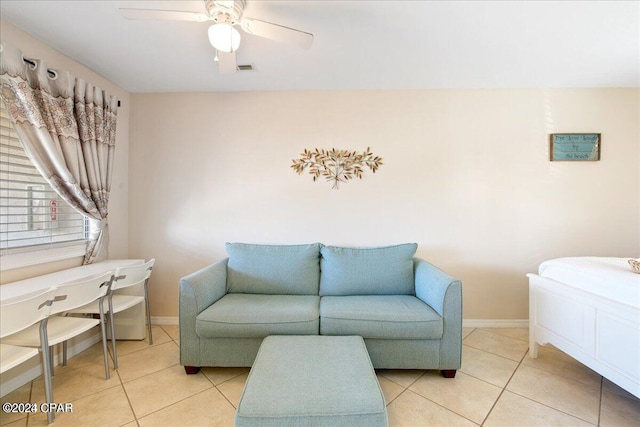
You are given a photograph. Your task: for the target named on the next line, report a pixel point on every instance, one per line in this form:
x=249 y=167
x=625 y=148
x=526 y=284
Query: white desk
x=129 y=324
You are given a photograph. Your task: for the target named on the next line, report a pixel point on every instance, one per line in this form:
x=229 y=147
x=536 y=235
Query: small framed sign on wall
x=574 y=146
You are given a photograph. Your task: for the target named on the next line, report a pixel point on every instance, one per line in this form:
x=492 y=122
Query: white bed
x=589 y=307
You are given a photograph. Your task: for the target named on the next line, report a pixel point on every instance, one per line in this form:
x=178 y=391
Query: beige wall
x=118 y=202
x=466 y=175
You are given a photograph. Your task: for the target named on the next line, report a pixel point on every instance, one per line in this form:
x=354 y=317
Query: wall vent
x=247 y=67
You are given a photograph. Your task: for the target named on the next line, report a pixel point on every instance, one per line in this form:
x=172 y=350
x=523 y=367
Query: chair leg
x=113 y=339
x=46 y=367
x=146 y=302
x=64 y=353
x=51 y=367
x=105 y=353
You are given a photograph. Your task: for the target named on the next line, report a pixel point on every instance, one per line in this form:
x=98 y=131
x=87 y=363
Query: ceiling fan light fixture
x=224 y=37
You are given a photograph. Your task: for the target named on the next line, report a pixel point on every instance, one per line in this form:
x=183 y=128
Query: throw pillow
x=273 y=269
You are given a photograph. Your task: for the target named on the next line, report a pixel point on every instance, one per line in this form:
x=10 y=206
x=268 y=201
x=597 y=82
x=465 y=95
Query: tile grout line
x=135 y=417
x=440 y=405
x=208 y=379
x=490 y=352
x=503 y=335
x=551 y=407
x=213 y=385
x=28 y=414
x=223 y=382
x=504 y=388
x=30 y=396
x=412 y=383
x=154 y=372
x=405 y=388
x=601 y=394
x=561 y=374
x=70 y=371
x=436 y=403
x=395 y=398
x=150 y=373
x=484 y=350
x=555 y=374
x=170 y=405
x=541 y=403
x=226 y=398
x=169 y=335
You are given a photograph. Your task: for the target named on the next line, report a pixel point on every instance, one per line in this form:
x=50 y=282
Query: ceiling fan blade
x=227 y=62
x=277 y=32
x=163 y=15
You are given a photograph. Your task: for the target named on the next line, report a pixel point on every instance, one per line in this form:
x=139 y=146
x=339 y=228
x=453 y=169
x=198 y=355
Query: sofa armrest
x=432 y=284
x=206 y=286
x=198 y=291
x=443 y=293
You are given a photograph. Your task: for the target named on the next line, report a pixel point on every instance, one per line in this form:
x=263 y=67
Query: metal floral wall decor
x=336 y=165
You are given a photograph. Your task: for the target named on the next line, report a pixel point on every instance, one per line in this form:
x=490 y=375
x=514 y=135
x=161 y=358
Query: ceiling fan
x=226 y=15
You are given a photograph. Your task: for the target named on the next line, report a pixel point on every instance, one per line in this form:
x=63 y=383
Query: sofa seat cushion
x=379 y=316
x=257 y=316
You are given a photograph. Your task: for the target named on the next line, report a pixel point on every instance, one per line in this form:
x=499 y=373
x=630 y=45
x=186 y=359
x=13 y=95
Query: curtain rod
x=51 y=73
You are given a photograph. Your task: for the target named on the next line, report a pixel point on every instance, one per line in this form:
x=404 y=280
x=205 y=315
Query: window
x=31 y=212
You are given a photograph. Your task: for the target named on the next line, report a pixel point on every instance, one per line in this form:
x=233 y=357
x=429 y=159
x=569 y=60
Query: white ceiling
x=357 y=44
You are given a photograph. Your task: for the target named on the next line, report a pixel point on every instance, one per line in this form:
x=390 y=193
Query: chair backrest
x=76 y=294
x=19 y=313
x=133 y=275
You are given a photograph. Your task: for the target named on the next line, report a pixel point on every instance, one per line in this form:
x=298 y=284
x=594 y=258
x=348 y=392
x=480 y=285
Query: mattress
x=607 y=277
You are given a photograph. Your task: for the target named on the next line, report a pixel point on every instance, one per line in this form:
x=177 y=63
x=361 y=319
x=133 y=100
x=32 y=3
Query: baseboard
x=157 y=320
x=495 y=323
x=32 y=369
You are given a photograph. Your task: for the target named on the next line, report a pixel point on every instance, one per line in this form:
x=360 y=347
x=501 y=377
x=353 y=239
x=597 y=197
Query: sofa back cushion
x=367 y=271
x=273 y=269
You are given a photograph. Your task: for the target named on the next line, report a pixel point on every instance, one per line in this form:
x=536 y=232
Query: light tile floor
x=498 y=385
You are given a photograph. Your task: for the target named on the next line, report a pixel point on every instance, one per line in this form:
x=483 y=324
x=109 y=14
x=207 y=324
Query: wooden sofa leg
x=190 y=370
x=447 y=373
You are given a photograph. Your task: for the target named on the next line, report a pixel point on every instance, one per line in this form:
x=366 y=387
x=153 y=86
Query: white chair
x=124 y=277
x=20 y=313
x=59 y=329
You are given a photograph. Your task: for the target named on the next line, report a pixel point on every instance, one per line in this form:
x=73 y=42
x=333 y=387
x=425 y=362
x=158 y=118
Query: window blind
x=31 y=212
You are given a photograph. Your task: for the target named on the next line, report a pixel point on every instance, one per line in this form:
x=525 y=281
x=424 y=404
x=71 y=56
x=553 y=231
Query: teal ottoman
x=312 y=380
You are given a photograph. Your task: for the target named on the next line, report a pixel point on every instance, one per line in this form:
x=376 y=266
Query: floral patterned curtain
x=67 y=127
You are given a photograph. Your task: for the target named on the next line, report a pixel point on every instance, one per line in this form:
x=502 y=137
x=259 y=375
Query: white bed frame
x=601 y=333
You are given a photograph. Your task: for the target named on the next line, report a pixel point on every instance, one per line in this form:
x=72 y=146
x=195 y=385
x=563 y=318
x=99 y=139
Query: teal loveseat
x=408 y=311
